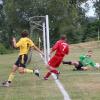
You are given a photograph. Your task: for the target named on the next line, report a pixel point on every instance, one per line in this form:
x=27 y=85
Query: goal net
x=38 y=25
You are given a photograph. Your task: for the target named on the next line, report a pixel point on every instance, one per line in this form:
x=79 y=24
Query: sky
x=1 y=2
x=91 y=9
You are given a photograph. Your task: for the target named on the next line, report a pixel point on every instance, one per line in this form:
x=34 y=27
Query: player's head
x=63 y=37
x=24 y=33
x=89 y=53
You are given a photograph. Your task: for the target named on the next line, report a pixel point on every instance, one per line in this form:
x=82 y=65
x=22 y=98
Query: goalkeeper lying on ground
x=83 y=63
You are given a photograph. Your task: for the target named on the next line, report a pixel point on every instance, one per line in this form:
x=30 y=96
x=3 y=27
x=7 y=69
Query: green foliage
x=3 y=50
x=91 y=32
x=97 y=8
x=65 y=17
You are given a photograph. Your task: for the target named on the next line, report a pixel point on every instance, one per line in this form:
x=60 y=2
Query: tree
x=65 y=16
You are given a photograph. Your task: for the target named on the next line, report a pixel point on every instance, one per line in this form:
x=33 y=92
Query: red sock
x=55 y=71
x=48 y=74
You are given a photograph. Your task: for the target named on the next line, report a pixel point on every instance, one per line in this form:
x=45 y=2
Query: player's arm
x=37 y=49
x=14 y=42
x=67 y=52
x=82 y=57
x=54 y=48
x=93 y=64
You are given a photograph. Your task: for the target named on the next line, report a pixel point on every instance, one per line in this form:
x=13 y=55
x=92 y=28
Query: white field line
x=59 y=85
x=61 y=88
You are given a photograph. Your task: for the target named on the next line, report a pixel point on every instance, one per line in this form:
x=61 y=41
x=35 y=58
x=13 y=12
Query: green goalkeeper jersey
x=86 y=60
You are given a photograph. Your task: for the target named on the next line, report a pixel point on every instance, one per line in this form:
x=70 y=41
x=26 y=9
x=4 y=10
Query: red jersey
x=61 y=48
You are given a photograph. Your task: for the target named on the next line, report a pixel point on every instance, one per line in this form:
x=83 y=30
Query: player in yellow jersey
x=24 y=44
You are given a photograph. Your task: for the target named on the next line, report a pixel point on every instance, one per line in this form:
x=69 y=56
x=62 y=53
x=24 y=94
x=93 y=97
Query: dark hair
x=24 y=33
x=63 y=37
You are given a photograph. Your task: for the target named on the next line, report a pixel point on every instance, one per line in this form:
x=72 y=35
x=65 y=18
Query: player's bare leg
x=11 y=77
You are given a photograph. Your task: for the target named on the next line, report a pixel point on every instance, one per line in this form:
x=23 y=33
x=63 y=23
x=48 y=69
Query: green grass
x=80 y=85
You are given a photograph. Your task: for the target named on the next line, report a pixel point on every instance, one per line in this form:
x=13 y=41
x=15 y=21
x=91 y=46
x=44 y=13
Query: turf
x=80 y=85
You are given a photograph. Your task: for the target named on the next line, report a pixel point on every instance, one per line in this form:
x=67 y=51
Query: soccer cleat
x=45 y=78
x=57 y=75
x=67 y=62
x=63 y=62
x=37 y=73
x=6 y=84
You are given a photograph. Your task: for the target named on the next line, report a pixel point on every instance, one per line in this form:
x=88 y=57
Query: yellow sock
x=11 y=76
x=28 y=70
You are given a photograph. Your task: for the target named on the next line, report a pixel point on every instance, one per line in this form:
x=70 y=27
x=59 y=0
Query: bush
x=3 y=50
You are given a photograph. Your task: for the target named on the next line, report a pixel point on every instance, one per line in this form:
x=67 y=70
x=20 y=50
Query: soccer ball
x=37 y=73
x=97 y=65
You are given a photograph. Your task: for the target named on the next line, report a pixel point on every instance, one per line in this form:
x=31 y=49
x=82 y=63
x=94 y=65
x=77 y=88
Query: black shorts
x=78 y=67
x=22 y=60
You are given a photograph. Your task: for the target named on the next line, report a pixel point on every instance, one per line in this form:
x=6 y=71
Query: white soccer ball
x=97 y=65
x=36 y=71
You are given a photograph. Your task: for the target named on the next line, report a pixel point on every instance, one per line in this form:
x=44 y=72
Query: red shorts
x=55 y=61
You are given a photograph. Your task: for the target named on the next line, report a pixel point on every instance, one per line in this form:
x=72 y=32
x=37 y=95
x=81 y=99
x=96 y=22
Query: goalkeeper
x=84 y=61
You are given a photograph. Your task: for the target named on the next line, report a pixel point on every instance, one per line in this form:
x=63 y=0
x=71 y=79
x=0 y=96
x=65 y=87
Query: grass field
x=80 y=85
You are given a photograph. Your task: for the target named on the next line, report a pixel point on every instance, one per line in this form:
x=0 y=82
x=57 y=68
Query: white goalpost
x=42 y=23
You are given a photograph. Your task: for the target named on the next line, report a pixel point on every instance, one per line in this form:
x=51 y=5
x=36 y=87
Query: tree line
x=65 y=17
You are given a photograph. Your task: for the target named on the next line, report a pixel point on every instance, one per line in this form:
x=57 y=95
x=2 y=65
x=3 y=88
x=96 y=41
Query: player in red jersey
x=61 y=48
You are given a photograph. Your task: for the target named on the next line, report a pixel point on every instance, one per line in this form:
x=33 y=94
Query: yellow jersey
x=24 y=45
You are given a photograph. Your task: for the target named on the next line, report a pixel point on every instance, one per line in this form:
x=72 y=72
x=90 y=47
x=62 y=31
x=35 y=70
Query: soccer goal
x=41 y=23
